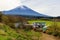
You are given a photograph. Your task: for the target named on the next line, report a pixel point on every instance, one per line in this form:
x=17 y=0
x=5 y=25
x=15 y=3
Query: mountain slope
x=24 y=11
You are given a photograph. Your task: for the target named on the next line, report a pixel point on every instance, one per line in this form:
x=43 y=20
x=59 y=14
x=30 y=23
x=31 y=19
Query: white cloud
x=48 y=7
x=9 y=4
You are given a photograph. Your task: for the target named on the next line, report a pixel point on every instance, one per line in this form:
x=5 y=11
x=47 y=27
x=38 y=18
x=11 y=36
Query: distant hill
x=24 y=11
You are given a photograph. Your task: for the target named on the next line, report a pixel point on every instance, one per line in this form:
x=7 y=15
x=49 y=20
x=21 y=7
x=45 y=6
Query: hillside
x=7 y=33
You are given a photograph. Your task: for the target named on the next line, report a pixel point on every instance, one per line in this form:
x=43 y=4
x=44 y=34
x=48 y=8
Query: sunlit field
x=53 y=27
x=47 y=22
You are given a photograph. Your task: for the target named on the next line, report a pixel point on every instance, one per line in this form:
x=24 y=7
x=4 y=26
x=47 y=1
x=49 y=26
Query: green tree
x=0 y=16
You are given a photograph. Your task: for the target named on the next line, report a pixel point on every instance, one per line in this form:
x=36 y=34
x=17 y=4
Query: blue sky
x=48 y=7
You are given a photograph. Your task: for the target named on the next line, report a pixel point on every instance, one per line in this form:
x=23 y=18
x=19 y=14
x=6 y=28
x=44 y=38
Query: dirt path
x=48 y=37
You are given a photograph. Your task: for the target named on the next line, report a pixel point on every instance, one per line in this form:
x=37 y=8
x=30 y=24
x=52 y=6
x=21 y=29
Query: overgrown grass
x=53 y=28
x=7 y=33
x=47 y=22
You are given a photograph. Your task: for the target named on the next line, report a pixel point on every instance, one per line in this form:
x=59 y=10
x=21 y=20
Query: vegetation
x=11 y=20
x=54 y=29
x=7 y=33
x=0 y=16
x=53 y=26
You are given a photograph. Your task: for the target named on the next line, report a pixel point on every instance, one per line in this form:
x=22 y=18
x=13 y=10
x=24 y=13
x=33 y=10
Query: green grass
x=7 y=33
x=53 y=29
x=47 y=22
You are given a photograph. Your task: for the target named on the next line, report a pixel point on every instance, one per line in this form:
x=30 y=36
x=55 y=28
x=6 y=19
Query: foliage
x=7 y=33
x=54 y=29
x=11 y=19
x=53 y=26
x=0 y=16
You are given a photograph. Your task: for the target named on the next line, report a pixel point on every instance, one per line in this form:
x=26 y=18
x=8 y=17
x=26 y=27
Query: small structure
x=39 y=26
x=20 y=24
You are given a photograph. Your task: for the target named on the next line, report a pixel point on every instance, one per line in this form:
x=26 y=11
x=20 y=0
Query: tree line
x=11 y=19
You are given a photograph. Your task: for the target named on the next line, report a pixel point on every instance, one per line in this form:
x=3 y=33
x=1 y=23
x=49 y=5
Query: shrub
x=54 y=30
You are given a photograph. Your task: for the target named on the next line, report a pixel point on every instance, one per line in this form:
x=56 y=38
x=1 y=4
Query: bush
x=54 y=30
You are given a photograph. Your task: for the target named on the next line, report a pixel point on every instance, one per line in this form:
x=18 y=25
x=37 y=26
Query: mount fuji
x=24 y=11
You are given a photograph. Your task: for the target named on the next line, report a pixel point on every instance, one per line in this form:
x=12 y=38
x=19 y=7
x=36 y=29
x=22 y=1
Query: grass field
x=53 y=27
x=47 y=22
x=7 y=33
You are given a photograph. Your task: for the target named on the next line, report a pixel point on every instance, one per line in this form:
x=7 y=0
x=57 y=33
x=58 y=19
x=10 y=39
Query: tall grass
x=7 y=33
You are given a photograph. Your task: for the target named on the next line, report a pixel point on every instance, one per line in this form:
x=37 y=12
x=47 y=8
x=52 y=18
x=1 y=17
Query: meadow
x=46 y=21
x=53 y=27
x=7 y=33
